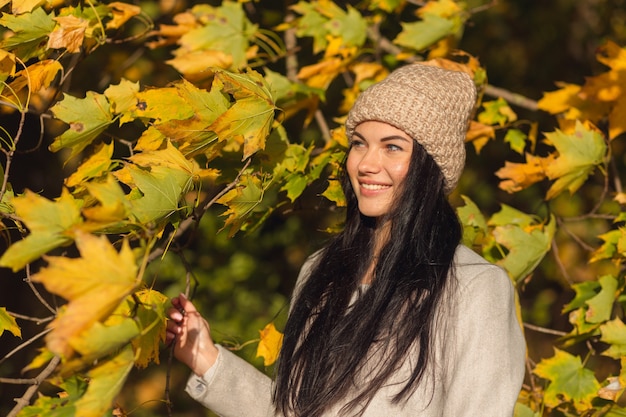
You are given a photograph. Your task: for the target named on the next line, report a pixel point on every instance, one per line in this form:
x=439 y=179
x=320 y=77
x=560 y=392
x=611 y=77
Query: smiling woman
x=394 y=317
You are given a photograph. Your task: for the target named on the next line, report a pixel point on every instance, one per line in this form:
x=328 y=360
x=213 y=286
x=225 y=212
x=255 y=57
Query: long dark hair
x=329 y=336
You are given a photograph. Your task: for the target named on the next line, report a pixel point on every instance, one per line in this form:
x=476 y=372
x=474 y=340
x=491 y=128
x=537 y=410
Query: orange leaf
x=69 y=33
x=519 y=176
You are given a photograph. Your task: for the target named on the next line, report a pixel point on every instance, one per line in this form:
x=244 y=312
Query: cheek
x=399 y=171
x=352 y=164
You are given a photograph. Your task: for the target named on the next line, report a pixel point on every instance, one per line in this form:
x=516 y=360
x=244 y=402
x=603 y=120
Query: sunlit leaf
x=601 y=305
x=578 y=155
x=569 y=381
x=93 y=284
x=518 y=176
x=113 y=206
x=62 y=404
x=241 y=201
x=350 y=26
x=473 y=221
x=36 y=77
x=269 y=345
x=29 y=30
x=516 y=139
x=614 y=335
x=50 y=223
x=123 y=99
x=96 y=165
x=496 y=112
x=426 y=32
x=87 y=118
x=479 y=134
x=584 y=291
x=69 y=33
x=7 y=322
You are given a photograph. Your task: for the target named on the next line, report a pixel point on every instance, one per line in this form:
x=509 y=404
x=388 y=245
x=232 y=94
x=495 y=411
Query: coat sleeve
x=234 y=388
x=487 y=369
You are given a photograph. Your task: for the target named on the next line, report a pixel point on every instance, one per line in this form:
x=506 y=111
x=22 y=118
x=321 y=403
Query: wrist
x=205 y=360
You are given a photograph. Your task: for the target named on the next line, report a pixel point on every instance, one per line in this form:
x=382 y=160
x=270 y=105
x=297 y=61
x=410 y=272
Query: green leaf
x=161 y=104
x=50 y=224
x=473 y=221
x=161 y=190
x=511 y=216
x=569 y=381
x=87 y=117
x=123 y=99
x=584 y=291
x=614 y=334
x=579 y=154
x=526 y=247
x=248 y=121
x=334 y=193
x=29 y=32
x=311 y=23
x=60 y=406
x=7 y=322
x=420 y=35
x=516 y=140
x=350 y=27
x=496 y=112
x=601 y=305
x=242 y=201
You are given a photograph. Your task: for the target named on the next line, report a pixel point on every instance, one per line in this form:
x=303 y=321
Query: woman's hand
x=191 y=335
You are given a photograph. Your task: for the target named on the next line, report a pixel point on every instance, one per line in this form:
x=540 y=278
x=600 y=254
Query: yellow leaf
x=194 y=64
x=122 y=12
x=94 y=285
x=25 y=6
x=113 y=207
x=94 y=166
x=36 y=77
x=518 y=176
x=7 y=322
x=561 y=100
x=479 y=134
x=269 y=345
x=69 y=33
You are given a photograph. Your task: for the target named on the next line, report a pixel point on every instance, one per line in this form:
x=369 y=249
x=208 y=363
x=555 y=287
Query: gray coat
x=477 y=370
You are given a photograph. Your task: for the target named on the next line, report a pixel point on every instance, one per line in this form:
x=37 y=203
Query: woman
x=394 y=317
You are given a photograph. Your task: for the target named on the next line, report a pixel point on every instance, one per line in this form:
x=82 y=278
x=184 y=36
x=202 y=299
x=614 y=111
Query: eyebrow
x=385 y=138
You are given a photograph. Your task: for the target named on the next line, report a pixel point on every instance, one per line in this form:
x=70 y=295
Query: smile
x=374 y=186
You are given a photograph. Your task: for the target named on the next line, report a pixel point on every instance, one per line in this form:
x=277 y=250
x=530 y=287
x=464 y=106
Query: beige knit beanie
x=431 y=104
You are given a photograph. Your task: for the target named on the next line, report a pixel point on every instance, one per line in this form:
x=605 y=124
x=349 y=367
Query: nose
x=370 y=162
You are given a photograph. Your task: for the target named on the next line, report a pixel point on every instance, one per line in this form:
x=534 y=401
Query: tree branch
x=25 y=399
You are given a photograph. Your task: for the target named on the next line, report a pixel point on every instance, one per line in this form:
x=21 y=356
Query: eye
x=394 y=148
x=357 y=143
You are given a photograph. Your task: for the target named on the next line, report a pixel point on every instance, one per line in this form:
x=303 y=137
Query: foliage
x=148 y=162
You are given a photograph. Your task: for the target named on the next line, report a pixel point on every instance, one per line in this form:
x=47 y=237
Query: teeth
x=374 y=186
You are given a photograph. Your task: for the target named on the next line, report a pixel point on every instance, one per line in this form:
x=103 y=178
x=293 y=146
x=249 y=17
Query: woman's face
x=377 y=164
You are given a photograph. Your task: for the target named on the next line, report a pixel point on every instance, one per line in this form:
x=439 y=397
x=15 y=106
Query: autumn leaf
x=516 y=140
x=526 y=246
x=428 y=31
x=123 y=99
x=7 y=322
x=269 y=345
x=36 y=77
x=473 y=221
x=62 y=403
x=518 y=176
x=600 y=306
x=150 y=314
x=479 y=134
x=578 y=155
x=69 y=33
x=111 y=209
x=87 y=118
x=93 y=284
x=24 y=6
x=241 y=201
x=96 y=165
x=614 y=335
x=161 y=104
x=350 y=26
x=105 y=382
x=51 y=224
x=29 y=30
x=122 y=12
x=569 y=381
x=496 y=112
x=248 y=121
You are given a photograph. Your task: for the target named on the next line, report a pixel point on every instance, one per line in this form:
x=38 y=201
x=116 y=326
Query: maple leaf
x=36 y=77
x=614 y=334
x=526 y=245
x=350 y=26
x=123 y=99
x=122 y=12
x=105 y=382
x=7 y=67
x=69 y=33
x=473 y=221
x=7 y=322
x=51 y=224
x=496 y=112
x=248 y=121
x=517 y=176
x=578 y=155
x=311 y=23
x=93 y=284
x=161 y=104
x=600 y=305
x=96 y=165
x=569 y=381
x=241 y=201
x=150 y=314
x=113 y=207
x=29 y=30
x=516 y=140
x=479 y=134
x=86 y=117
x=269 y=345
x=426 y=32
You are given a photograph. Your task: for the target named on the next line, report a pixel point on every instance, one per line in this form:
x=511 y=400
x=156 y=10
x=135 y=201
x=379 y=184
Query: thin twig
x=544 y=330
x=37 y=320
x=36 y=292
x=23 y=345
x=321 y=122
x=25 y=399
x=557 y=258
